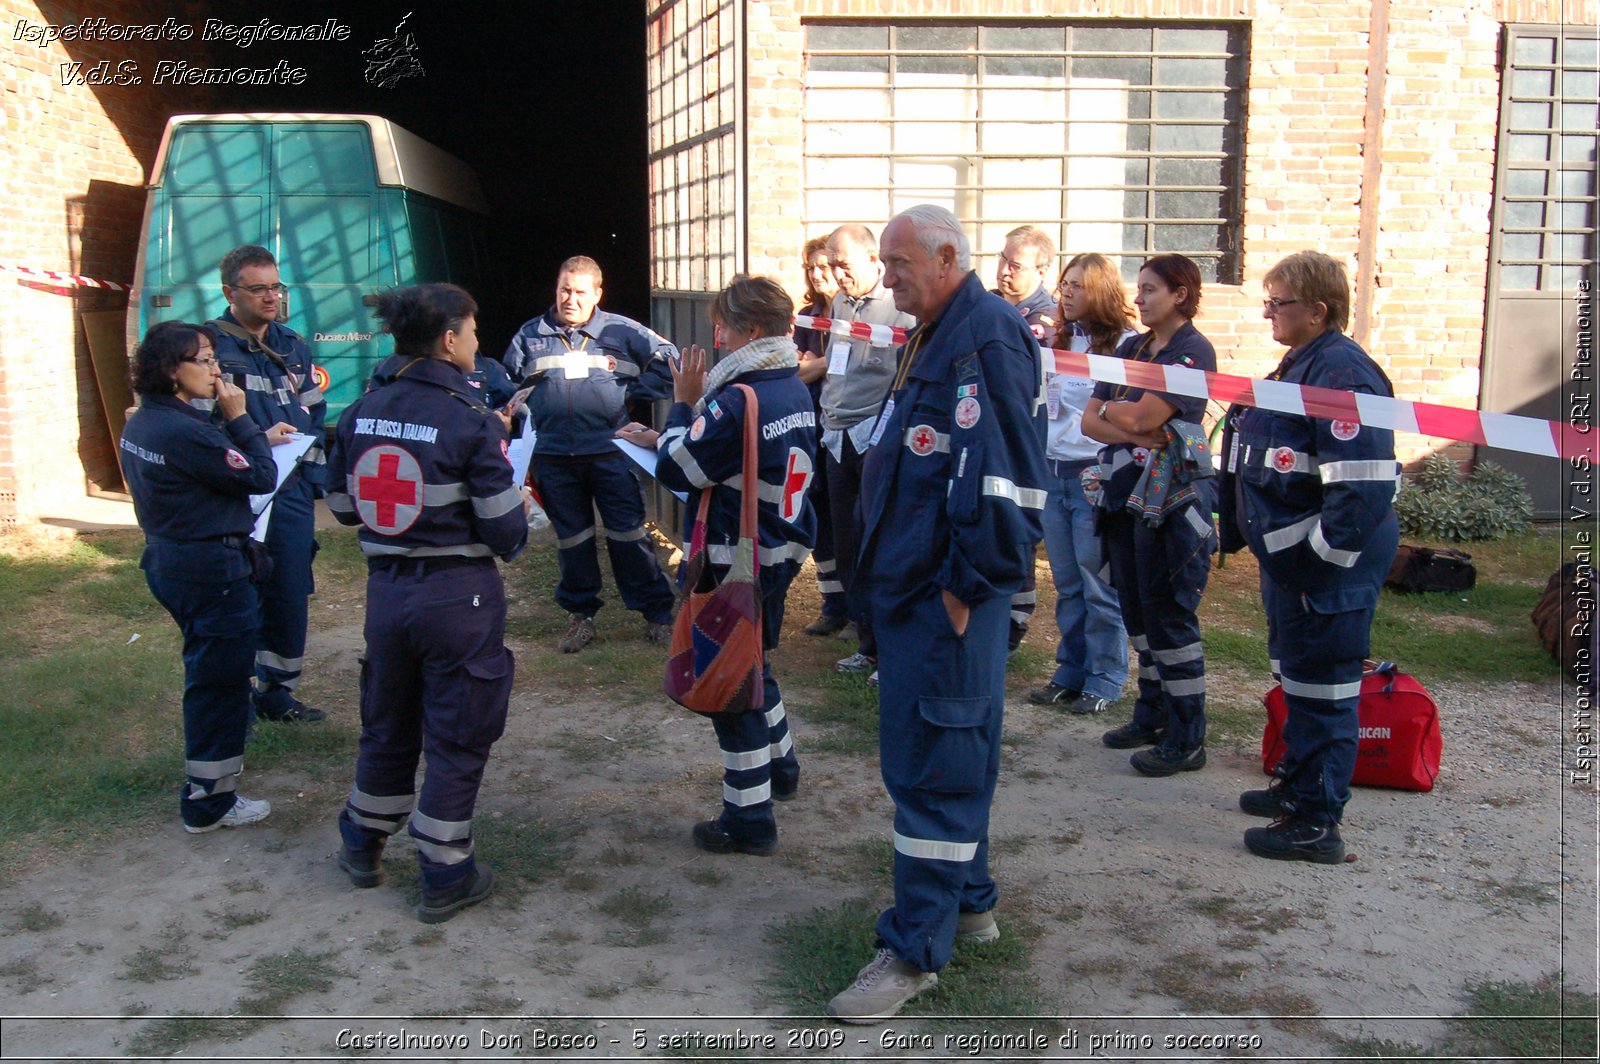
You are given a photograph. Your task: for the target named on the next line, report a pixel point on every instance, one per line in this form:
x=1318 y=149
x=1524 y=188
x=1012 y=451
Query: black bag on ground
x=1431 y=569
x=1564 y=619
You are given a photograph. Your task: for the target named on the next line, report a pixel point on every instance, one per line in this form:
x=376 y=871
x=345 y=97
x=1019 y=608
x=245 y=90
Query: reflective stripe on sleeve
x=1373 y=469
x=495 y=505
x=1031 y=498
x=1201 y=526
x=1289 y=535
x=340 y=502
x=1332 y=555
x=679 y=453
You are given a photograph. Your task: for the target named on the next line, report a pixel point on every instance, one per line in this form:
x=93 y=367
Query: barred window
x=1120 y=137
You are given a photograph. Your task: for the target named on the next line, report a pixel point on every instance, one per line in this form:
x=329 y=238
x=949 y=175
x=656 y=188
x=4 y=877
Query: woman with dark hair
x=1157 y=494
x=191 y=483
x=701 y=449
x=1092 y=655
x=1314 y=500
x=812 y=345
x=420 y=465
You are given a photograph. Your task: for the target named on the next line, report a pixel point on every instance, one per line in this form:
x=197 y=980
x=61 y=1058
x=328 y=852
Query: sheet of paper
x=520 y=452
x=645 y=459
x=285 y=456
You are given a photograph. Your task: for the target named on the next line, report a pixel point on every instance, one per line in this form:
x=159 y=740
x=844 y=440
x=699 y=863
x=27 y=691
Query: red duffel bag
x=1399 y=744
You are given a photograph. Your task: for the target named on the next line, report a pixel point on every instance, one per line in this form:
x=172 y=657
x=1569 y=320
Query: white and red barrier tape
x=56 y=277
x=1510 y=432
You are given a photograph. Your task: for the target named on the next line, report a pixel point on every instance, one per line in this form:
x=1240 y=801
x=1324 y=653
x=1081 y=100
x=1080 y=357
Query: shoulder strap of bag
x=748 y=488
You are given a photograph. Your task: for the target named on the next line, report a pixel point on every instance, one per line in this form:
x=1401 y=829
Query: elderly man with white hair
x=952 y=497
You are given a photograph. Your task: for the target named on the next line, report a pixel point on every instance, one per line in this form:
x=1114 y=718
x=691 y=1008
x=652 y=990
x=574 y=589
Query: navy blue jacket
x=697 y=452
x=421 y=465
x=953 y=492
x=1315 y=493
x=191 y=483
x=1122 y=464
x=584 y=378
x=282 y=388
x=1043 y=317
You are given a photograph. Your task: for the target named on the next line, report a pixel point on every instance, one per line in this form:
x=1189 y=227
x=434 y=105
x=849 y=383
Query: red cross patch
x=237 y=460
x=611 y=364
x=1283 y=460
x=923 y=440
x=968 y=412
x=388 y=489
x=320 y=375
x=796 y=478
x=1345 y=430
x=1140 y=456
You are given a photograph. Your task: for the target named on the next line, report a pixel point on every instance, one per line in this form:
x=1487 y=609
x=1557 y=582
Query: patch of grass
x=637 y=910
x=35 y=917
x=430 y=936
x=25 y=971
x=1502 y=896
x=168 y=1036
x=705 y=875
x=171 y=958
x=245 y=886
x=845 y=717
x=229 y=920
x=605 y=743
x=869 y=861
x=279 y=978
x=523 y=852
x=1527 y=1020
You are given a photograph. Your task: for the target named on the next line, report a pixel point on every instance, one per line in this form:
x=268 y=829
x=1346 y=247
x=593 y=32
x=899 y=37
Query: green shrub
x=1437 y=502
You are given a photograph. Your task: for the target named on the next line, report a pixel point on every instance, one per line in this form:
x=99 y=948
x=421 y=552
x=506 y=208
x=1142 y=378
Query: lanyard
x=1122 y=390
x=905 y=363
x=568 y=344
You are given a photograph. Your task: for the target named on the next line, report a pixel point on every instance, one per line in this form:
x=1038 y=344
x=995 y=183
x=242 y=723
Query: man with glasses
x=858 y=378
x=1020 y=280
x=273 y=366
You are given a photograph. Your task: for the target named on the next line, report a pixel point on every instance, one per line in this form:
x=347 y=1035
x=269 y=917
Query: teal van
x=347 y=203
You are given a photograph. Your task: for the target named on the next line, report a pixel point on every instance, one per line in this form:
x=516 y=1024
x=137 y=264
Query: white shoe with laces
x=244 y=811
x=881 y=989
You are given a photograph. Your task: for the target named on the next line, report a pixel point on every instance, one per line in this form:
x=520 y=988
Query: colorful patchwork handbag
x=714 y=663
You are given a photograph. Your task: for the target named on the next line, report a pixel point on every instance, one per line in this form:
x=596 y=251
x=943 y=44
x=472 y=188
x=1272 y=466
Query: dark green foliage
x=1438 y=503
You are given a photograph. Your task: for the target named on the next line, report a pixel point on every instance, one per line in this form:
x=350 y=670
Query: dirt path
x=1140 y=895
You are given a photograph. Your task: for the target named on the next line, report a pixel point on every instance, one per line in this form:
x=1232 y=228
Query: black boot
x=439 y=905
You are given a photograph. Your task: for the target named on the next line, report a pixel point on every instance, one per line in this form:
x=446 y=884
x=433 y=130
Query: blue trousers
x=1318 y=657
x=1092 y=655
x=571 y=492
x=757 y=749
x=844 y=494
x=941 y=700
x=1160 y=574
x=281 y=647
x=218 y=621
x=435 y=682
x=829 y=583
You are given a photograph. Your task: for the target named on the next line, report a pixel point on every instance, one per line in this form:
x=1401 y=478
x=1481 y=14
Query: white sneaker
x=880 y=990
x=857 y=662
x=872 y=681
x=244 y=811
x=977 y=928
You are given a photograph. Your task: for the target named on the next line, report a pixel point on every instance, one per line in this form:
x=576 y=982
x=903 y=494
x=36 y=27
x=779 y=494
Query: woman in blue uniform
x=1160 y=556
x=701 y=448
x=420 y=465
x=191 y=483
x=1314 y=500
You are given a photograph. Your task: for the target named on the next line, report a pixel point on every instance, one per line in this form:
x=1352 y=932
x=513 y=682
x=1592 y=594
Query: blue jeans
x=1092 y=655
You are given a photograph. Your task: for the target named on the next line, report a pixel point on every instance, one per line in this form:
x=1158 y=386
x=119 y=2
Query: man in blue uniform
x=273 y=365
x=951 y=496
x=1314 y=500
x=1019 y=279
x=585 y=364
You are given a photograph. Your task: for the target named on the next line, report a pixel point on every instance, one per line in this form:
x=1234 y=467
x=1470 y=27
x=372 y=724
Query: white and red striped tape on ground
x=1510 y=432
x=56 y=277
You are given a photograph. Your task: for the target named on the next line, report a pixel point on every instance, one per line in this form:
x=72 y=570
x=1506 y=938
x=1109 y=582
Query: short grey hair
x=935 y=227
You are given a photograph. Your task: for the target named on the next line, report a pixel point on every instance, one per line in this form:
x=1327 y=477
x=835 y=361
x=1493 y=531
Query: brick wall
x=76 y=160
x=1305 y=148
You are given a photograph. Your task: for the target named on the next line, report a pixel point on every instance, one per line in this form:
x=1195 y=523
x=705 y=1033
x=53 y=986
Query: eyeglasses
x=259 y=290
x=1276 y=305
x=1062 y=290
x=1013 y=264
x=208 y=363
